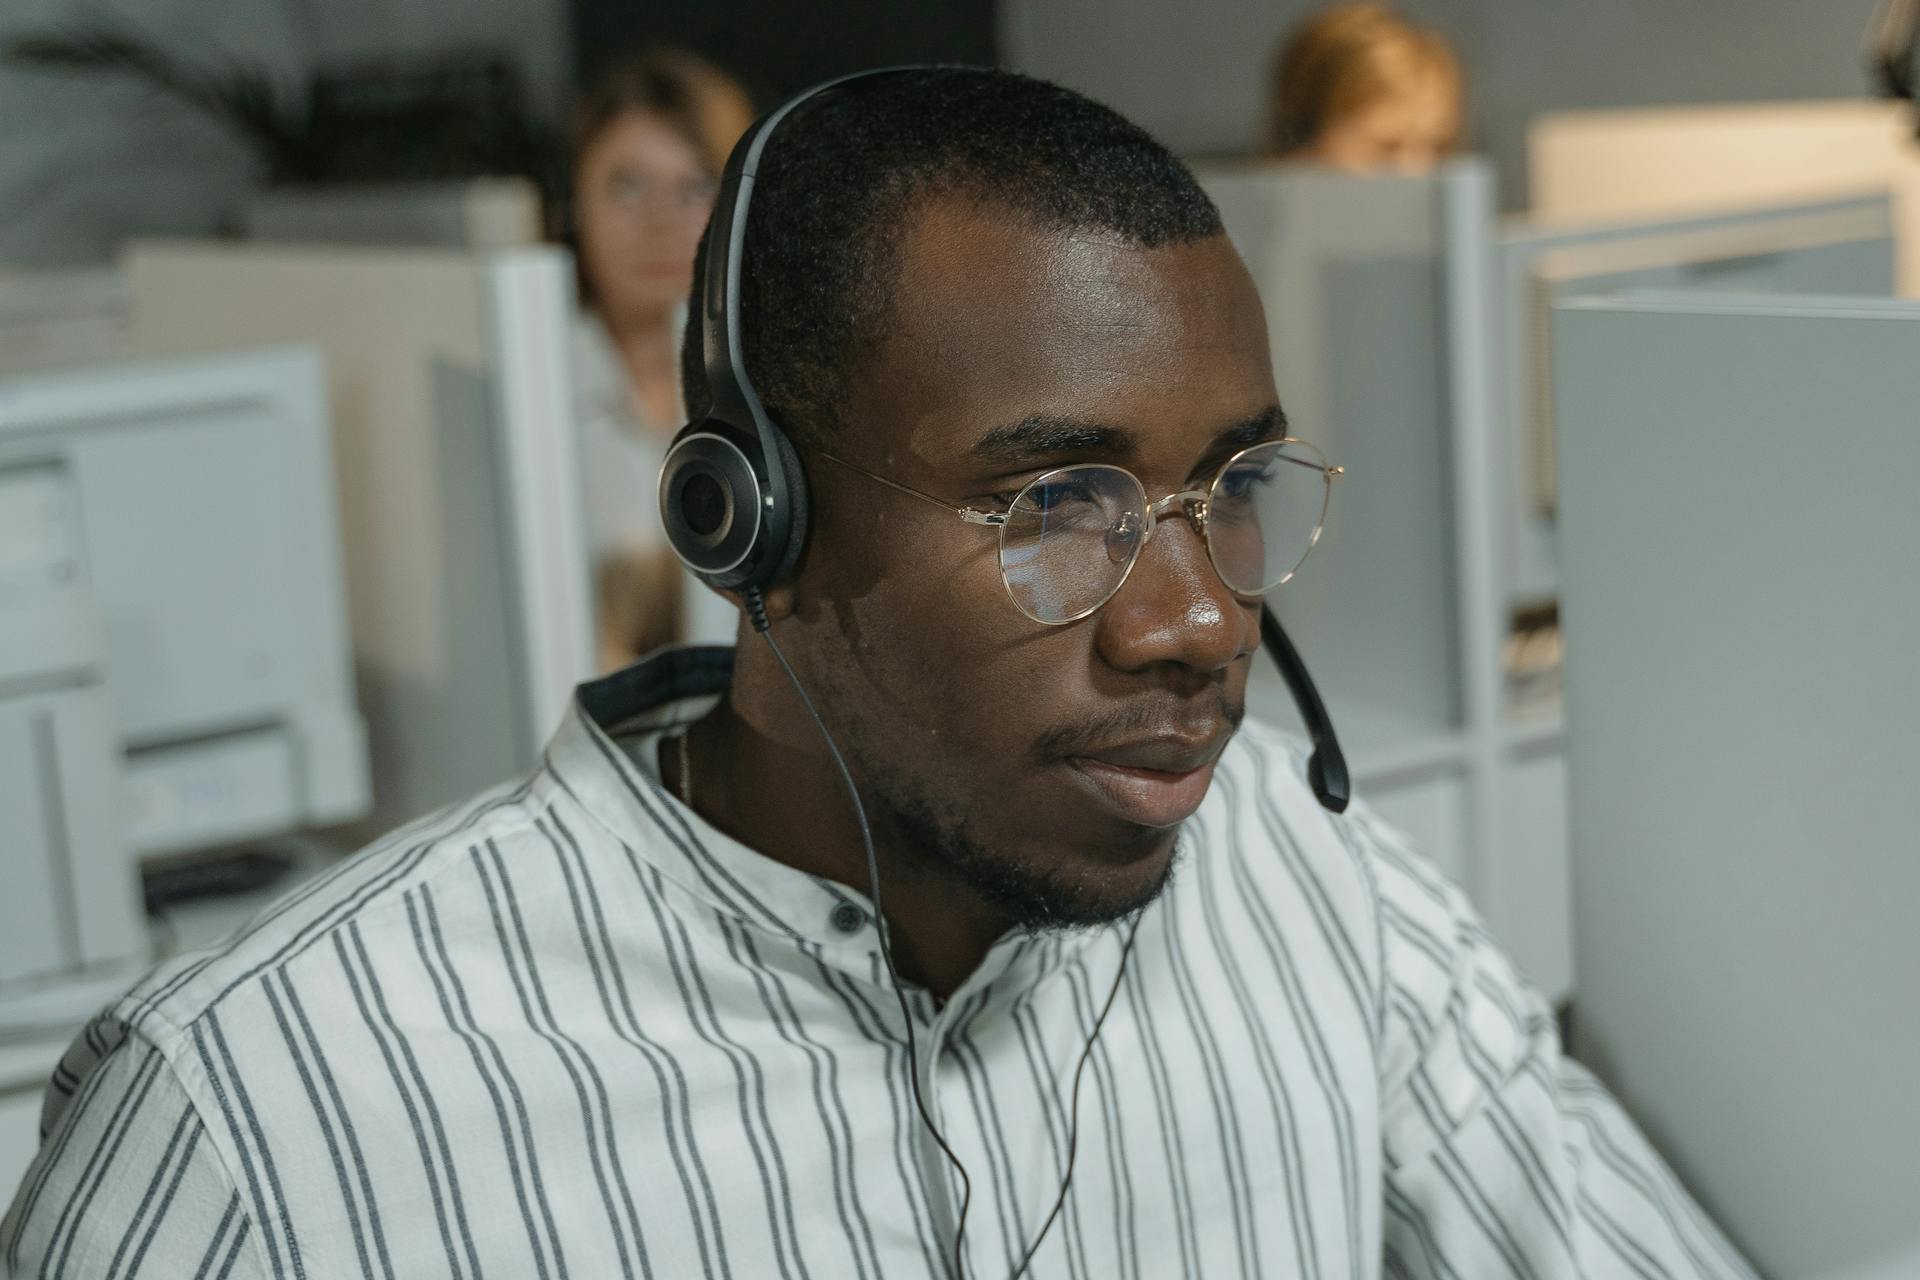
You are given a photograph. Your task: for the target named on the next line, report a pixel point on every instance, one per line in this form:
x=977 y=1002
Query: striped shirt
x=570 y=1030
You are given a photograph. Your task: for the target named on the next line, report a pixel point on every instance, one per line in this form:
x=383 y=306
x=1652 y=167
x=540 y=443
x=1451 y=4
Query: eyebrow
x=1044 y=436
x=1267 y=424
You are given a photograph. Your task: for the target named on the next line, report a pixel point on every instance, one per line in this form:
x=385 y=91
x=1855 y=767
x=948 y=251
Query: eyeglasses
x=639 y=191
x=1070 y=538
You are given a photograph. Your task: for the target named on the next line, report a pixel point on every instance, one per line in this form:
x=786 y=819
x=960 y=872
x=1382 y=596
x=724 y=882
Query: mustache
x=1138 y=720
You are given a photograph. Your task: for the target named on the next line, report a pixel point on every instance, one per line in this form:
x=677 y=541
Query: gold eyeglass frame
x=1194 y=504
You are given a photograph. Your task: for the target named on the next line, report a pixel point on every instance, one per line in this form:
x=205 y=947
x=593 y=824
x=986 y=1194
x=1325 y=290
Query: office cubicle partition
x=459 y=496
x=1654 y=162
x=1381 y=314
x=473 y=213
x=1838 y=247
x=1402 y=316
x=61 y=318
x=1740 y=535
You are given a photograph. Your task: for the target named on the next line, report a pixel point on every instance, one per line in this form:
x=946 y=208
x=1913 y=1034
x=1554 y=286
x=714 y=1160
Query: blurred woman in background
x=1360 y=89
x=649 y=144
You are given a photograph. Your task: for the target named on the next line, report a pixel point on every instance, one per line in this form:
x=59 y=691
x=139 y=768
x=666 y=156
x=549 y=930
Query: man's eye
x=1245 y=480
x=1059 y=495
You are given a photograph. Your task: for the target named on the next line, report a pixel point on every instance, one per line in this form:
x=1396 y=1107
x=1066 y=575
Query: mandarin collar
x=603 y=755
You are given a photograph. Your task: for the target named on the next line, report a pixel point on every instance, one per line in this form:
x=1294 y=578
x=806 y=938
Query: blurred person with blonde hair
x=649 y=142
x=1358 y=88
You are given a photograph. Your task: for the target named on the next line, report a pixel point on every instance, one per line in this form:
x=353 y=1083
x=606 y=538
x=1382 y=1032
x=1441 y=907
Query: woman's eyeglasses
x=1070 y=537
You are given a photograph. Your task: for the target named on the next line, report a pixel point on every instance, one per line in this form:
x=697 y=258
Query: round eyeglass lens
x=1264 y=514
x=1069 y=539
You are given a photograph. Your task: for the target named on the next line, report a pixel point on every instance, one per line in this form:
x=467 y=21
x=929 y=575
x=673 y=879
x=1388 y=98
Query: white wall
x=1193 y=73
x=86 y=161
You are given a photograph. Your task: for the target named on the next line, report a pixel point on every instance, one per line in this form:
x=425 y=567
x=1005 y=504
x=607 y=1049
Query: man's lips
x=1165 y=753
x=1150 y=797
x=1155 y=782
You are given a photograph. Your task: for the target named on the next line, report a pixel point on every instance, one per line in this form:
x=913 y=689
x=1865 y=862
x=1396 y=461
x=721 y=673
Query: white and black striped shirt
x=570 y=1030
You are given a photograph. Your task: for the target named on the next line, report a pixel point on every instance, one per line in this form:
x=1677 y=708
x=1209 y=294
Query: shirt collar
x=605 y=756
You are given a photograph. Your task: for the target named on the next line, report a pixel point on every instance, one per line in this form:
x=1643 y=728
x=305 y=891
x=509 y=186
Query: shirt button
x=847 y=918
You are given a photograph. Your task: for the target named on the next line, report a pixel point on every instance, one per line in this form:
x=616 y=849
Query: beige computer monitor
x=1657 y=161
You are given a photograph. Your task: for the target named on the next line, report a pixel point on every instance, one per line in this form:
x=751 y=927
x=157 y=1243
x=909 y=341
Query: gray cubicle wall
x=1829 y=247
x=1351 y=277
x=1740 y=536
x=466 y=572
x=1379 y=306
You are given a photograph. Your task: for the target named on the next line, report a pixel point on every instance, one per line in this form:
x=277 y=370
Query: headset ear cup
x=710 y=504
x=798 y=510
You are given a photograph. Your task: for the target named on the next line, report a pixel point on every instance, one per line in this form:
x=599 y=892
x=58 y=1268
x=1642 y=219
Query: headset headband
x=730 y=391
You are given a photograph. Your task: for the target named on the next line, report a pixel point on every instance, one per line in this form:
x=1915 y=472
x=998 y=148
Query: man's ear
x=779 y=601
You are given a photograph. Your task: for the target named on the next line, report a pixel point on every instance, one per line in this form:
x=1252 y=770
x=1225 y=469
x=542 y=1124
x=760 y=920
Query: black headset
x=732 y=495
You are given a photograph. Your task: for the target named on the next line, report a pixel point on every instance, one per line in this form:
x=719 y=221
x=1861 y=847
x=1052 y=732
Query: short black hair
x=842 y=175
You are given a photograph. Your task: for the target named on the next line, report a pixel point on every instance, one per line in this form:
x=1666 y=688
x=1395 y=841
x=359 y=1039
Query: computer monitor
x=1837 y=247
x=174 y=668
x=467 y=577
x=1743 y=720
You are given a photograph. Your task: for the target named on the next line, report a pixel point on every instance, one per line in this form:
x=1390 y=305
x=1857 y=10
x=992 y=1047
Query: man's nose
x=1175 y=609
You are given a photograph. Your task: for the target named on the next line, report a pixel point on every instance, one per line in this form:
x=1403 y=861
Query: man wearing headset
x=955 y=925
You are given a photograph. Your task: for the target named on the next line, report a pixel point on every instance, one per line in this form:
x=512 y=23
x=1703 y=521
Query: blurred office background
x=306 y=406
x=90 y=161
